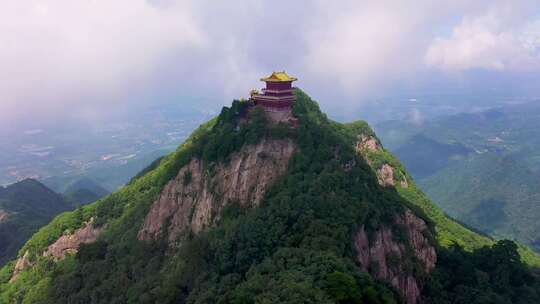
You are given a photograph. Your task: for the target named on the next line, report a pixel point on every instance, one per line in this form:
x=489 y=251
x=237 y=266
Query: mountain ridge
x=344 y=224
x=84 y=191
x=24 y=207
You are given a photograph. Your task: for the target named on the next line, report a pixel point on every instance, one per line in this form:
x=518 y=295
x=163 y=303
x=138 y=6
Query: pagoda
x=278 y=94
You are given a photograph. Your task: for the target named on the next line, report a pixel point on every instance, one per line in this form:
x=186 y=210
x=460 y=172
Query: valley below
x=481 y=168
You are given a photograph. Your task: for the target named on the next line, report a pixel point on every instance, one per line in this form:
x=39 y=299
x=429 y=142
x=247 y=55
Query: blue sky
x=82 y=58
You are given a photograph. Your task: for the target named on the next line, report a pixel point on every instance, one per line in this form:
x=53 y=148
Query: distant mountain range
x=481 y=168
x=84 y=191
x=28 y=205
x=109 y=151
x=109 y=177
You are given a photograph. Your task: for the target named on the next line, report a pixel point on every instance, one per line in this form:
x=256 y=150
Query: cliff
x=195 y=199
x=70 y=243
x=390 y=261
x=3 y=215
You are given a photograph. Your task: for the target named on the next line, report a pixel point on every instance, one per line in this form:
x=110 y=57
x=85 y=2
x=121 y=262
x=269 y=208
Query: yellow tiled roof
x=279 y=77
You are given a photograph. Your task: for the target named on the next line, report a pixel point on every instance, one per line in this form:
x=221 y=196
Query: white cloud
x=357 y=44
x=55 y=51
x=370 y=46
x=59 y=54
x=416 y=117
x=487 y=42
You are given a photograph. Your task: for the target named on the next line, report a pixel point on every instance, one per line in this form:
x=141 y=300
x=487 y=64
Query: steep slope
x=448 y=230
x=390 y=169
x=24 y=207
x=251 y=210
x=200 y=200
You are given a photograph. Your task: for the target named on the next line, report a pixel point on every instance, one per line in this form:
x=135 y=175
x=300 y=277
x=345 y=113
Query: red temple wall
x=273 y=104
x=279 y=94
x=279 y=85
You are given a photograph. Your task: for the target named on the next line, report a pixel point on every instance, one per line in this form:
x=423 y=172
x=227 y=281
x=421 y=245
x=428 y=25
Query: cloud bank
x=487 y=42
x=61 y=58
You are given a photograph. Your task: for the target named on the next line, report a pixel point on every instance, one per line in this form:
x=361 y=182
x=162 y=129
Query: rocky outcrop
x=194 y=200
x=3 y=215
x=385 y=175
x=281 y=116
x=21 y=264
x=69 y=244
x=390 y=260
x=367 y=143
x=66 y=244
x=404 y=183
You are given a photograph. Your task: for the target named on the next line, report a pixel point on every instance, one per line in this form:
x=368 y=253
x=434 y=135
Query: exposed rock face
x=21 y=264
x=404 y=183
x=64 y=245
x=385 y=175
x=385 y=257
x=368 y=143
x=283 y=116
x=194 y=200
x=70 y=243
x=3 y=215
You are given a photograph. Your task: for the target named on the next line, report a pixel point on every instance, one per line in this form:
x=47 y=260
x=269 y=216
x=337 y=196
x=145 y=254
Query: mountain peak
x=254 y=209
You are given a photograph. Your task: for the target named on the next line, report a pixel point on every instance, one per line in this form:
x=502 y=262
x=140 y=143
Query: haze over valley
x=110 y=152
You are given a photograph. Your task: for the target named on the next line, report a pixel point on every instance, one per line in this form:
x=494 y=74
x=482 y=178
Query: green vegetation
x=295 y=248
x=487 y=275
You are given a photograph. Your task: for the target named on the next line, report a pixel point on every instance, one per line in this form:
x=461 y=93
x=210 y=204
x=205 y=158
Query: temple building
x=278 y=94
